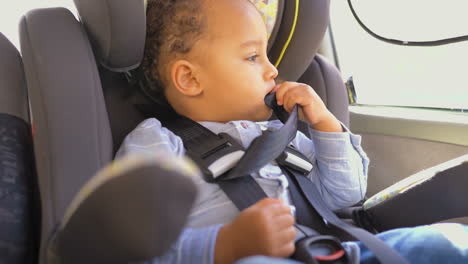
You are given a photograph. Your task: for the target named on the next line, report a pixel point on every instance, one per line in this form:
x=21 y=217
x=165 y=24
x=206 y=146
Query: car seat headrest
x=116 y=29
x=303 y=26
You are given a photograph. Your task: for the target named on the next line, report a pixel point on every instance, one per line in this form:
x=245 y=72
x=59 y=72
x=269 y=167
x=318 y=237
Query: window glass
x=12 y=11
x=386 y=74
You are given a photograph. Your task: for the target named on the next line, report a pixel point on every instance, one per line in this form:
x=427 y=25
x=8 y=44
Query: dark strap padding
x=201 y=142
x=19 y=200
x=196 y=138
x=265 y=148
x=133 y=216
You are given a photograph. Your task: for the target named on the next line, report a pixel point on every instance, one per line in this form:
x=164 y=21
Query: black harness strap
x=383 y=252
x=268 y=147
x=243 y=192
x=305 y=213
x=265 y=148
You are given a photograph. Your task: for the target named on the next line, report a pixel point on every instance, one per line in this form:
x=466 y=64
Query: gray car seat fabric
x=303 y=64
x=18 y=193
x=117 y=40
x=12 y=82
x=72 y=136
x=311 y=24
x=73 y=124
x=326 y=81
x=117 y=32
x=73 y=141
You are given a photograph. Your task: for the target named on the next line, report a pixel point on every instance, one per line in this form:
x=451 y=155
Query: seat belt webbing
x=305 y=213
x=265 y=151
x=243 y=192
x=383 y=252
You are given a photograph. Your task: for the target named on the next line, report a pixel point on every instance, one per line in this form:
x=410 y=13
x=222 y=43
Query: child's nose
x=271 y=72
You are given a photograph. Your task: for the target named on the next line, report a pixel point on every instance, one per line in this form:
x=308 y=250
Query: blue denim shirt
x=339 y=172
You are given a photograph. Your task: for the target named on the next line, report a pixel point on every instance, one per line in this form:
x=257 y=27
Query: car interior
x=67 y=102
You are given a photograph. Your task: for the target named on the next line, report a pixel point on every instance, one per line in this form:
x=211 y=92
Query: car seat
x=73 y=140
x=19 y=217
x=80 y=102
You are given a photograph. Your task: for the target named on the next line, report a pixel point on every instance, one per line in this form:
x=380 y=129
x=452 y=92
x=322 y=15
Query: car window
x=386 y=74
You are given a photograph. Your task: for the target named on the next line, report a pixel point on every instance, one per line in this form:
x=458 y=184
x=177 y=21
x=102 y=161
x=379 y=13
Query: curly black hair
x=172 y=28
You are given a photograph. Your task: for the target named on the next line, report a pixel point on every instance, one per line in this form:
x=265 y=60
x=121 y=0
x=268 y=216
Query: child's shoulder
x=151 y=126
x=151 y=136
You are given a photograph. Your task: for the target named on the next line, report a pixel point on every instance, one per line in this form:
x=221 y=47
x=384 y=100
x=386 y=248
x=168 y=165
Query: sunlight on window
x=11 y=13
x=386 y=74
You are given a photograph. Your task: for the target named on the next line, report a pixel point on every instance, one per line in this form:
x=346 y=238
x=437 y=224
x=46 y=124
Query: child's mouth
x=270 y=99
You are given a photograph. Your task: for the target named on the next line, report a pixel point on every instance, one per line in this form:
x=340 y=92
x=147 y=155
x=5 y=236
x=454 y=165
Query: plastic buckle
x=320 y=250
x=219 y=157
x=294 y=160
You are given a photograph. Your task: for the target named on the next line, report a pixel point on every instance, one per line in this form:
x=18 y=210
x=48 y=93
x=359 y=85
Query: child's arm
x=340 y=164
x=311 y=108
x=193 y=246
x=266 y=228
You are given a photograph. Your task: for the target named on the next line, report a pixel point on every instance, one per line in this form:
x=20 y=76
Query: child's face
x=235 y=73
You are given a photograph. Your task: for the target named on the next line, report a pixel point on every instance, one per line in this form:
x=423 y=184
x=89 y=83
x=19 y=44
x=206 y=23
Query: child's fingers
x=279 y=209
x=293 y=97
x=282 y=90
x=287 y=250
x=287 y=235
x=284 y=221
x=267 y=202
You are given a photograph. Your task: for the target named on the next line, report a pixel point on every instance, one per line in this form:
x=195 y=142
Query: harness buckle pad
x=217 y=157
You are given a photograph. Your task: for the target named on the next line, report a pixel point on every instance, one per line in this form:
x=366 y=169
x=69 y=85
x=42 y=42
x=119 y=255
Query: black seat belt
x=266 y=148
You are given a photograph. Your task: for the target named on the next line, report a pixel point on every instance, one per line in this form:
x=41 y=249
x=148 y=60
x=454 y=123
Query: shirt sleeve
x=340 y=165
x=150 y=137
x=193 y=245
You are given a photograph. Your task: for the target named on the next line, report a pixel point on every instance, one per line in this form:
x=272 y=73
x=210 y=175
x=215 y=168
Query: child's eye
x=252 y=58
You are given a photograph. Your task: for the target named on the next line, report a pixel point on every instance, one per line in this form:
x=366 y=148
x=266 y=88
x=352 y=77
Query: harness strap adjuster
x=294 y=160
x=218 y=158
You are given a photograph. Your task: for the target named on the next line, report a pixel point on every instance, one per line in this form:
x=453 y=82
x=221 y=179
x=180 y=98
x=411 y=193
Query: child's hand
x=311 y=107
x=265 y=228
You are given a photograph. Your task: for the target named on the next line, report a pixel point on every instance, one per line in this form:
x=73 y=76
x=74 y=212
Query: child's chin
x=263 y=115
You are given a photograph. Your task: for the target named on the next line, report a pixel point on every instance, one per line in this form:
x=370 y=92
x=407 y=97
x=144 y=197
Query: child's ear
x=185 y=79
